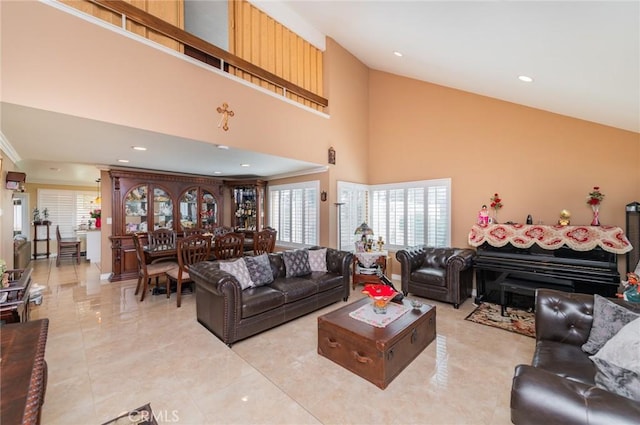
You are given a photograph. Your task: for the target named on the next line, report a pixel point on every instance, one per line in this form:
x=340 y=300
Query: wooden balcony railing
x=204 y=51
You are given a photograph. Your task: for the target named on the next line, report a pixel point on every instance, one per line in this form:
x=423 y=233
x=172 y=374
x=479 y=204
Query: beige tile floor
x=107 y=353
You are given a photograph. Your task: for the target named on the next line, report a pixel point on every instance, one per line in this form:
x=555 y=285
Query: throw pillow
x=259 y=269
x=318 y=260
x=296 y=262
x=239 y=270
x=608 y=319
x=618 y=362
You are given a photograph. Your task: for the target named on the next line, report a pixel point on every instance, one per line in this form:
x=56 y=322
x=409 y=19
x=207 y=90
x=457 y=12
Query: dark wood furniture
x=227 y=246
x=67 y=247
x=23 y=372
x=15 y=308
x=41 y=236
x=358 y=271
x=148 y=271
x=191 y=250
x=247 y=204
x=375 y=354
x=264 y=241
x=145 y=202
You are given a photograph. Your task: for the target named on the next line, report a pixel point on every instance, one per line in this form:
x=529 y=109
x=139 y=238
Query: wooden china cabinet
x=247 y=204
x=144 y=202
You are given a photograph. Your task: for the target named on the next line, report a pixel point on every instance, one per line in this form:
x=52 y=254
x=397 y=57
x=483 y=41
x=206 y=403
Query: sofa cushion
x=239 y=270
x=608 y=319
x=296 y=262
x=325 y=281
x=429 y=275
x=295 y=288
x=318 y=260
x=260 y=299
x=565 y=360
x=618 y=362
x=259 y=269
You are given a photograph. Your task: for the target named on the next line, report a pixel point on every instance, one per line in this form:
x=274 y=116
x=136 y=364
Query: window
x=404 y=214
x=67 y=208
x=353 y=211
x=294 y=213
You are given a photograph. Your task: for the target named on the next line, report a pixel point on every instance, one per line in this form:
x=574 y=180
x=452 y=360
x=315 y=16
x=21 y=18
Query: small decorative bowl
x=416 y=304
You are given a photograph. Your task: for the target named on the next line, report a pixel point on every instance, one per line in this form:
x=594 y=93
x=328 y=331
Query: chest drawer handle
x=359 y=358
x=332 y=343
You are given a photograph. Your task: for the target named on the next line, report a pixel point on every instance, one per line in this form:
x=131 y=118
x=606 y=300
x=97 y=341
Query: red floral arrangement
x=595 y=197
x=496 y=202
x=381 y=294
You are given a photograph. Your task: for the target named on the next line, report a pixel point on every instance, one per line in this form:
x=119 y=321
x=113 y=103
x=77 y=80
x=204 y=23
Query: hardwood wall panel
x=171 y=11
x=259 y=39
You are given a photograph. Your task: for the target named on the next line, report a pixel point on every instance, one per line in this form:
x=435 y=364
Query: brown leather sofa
x=559 y=387
x=441 y=274
x=233 y=314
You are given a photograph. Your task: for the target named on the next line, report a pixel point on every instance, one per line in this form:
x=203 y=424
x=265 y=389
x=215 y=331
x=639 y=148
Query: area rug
x=518 y=321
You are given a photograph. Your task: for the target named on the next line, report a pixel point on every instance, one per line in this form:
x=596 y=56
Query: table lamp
x=364 y=230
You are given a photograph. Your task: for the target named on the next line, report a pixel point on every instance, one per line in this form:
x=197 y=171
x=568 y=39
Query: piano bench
x=523 y=287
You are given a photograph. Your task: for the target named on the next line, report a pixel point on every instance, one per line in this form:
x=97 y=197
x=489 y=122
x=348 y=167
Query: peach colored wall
x=539 y=162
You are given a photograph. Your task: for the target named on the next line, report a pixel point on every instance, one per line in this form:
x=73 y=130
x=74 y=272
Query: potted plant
x=97 y=214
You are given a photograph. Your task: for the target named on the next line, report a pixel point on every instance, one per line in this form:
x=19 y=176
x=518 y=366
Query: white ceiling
x=584 y=58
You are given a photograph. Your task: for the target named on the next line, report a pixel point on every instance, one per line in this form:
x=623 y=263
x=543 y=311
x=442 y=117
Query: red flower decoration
x=379 y=291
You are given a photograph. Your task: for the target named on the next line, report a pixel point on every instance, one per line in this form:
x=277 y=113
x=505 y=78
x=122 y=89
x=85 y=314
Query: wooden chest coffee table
x=375 y=354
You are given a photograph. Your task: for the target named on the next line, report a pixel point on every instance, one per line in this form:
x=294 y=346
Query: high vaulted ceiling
x=584 y=58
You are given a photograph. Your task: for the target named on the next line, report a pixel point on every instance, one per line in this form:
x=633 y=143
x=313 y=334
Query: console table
x=366 y=266
x=23 y=371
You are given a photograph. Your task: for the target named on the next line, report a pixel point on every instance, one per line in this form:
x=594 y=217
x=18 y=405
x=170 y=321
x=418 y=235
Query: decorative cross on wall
x=226 y=114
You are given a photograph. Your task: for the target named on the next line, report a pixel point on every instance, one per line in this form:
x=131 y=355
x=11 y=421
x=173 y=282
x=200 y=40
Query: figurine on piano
x=483 y=216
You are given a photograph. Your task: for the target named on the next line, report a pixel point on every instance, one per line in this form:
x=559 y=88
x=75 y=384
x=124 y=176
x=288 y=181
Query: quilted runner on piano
x=578 y=238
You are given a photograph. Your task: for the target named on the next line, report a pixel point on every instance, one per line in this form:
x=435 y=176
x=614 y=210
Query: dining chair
x=191 y=250
x=162 y=238
x=229 y=245
x=148 y=271
x=67 y=247
x=264 y=241
x=194 y=231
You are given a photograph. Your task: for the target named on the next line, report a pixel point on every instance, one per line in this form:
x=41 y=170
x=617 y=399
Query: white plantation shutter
x=294 y=213
x=67 y=208
x=404 y=214
x=438 y=216
x=355 y=199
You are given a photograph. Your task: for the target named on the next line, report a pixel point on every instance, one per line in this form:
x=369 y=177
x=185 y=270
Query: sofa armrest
x=209 y=277
x=541 y=397
x=339 y=262
x=460 y=259
x=563 y=316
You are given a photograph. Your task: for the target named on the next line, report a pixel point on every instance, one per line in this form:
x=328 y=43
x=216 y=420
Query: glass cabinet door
x=135 y=207
x=189 y=209
x=245 y=214
x=162 y=209
x=208 y=210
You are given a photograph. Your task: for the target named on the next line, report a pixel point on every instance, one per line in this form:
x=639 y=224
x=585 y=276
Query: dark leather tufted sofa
x=441 y=274
x=559 y=387
x=233 y=314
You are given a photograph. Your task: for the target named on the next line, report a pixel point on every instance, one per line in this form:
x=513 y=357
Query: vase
x=380 y=305
x=495 y=217
x=596 y=215
x=98 y=222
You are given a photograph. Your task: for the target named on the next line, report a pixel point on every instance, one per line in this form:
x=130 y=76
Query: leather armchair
x=559 y=387
x=441 y=274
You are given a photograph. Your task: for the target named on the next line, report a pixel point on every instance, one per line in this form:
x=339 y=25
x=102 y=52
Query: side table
x=367 y=266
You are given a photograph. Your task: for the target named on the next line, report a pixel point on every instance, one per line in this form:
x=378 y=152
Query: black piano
x=591 y=272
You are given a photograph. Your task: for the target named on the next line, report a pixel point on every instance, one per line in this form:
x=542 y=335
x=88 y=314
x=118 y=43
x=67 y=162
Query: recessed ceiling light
x=217 y=172
x=525 y=79
x=223 y=147
x=398 y=54
x=138 y=148
x=54 y=169
x=123 y=160
x=245 y=165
